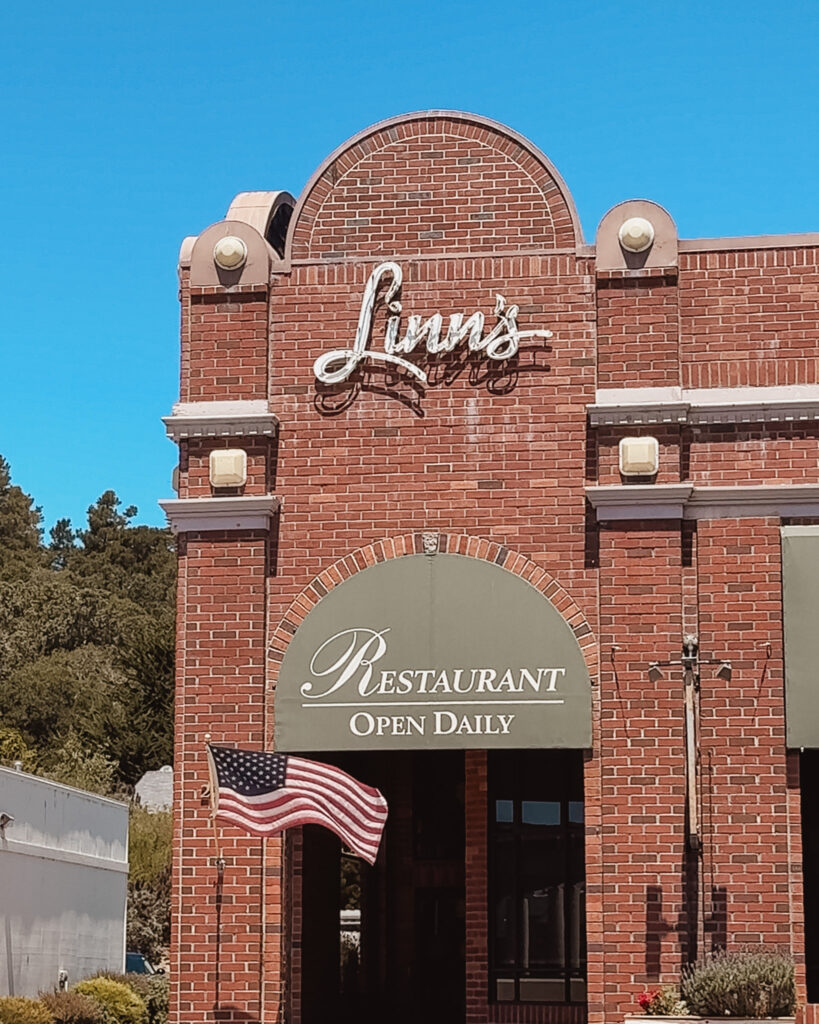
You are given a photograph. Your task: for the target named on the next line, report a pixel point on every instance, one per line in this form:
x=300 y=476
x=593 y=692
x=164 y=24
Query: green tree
x=63 y=542
x=20 y=532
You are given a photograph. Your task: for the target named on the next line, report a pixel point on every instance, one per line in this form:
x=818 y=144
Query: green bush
x=741 y=984
x=152 y=989
x=149 y=883
x=150 y=844
x=17 y=1010
x=121 y=1004
x=72 y=1008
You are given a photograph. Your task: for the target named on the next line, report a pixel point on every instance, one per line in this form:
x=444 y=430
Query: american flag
x=266 y=793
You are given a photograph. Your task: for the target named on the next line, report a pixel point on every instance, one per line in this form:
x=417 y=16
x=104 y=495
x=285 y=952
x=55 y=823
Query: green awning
x=800 y=597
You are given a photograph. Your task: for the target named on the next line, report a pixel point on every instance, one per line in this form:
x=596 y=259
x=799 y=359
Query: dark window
x=809 y=780
x=537 y=877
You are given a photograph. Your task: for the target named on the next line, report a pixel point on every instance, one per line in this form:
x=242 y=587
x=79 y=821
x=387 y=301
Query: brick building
x=501 y=521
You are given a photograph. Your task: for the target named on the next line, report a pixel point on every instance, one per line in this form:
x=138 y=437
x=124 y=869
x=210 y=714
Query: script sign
x=500 y=343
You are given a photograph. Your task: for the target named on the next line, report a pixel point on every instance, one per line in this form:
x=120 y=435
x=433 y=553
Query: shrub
x=149 y=920
x=155 y=990
x=152 y=989
x=150 y=838
x=72 y=1008
x=741 y=984
x=18 y=1010
x=120 y=1003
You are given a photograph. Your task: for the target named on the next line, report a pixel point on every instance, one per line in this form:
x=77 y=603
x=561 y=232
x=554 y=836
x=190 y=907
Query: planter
x=642 y=1018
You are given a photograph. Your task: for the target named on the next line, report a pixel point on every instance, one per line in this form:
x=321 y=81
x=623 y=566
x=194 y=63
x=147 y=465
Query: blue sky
x=125 y=127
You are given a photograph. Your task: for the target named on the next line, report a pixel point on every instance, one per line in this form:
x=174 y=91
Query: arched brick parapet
x=433 y=182
x=418 y=543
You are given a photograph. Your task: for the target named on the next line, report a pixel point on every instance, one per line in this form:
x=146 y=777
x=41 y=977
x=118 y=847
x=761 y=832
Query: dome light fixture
x=636 y=234
x=230 y=253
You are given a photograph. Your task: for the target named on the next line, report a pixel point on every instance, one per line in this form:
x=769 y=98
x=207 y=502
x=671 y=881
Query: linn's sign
x=500 y=343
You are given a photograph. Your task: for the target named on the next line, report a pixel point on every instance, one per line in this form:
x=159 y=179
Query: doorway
x=388 y=942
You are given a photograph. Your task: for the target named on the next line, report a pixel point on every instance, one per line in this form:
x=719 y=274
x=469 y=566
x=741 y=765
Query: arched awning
x=431 y=652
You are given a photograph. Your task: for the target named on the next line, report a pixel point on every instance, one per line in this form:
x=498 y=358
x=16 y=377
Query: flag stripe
x=292 y=811
x=284 y=796
x=364 y=794
x=303 y=817
x=329 y=785
x=294 y=805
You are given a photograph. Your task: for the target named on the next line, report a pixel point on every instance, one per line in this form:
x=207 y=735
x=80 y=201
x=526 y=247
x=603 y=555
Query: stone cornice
x=686 y=501
x=744 y=501
x=639 y=501
x=220 y=419
x=645 y=406
x=244 y=512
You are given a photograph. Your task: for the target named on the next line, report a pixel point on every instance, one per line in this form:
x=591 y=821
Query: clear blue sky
x=125 y=127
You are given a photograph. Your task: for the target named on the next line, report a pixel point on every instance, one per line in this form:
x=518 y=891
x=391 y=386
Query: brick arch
x=432 y=182
x=454 y=544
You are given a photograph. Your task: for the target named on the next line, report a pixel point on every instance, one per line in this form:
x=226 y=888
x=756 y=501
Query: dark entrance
x=388 y=942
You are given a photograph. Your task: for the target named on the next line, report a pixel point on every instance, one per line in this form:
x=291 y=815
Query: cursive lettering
x=501 y=343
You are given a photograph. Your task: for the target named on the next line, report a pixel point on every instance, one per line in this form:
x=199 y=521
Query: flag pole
x=214 y=799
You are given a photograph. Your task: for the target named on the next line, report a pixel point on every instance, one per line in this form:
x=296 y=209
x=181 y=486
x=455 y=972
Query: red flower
x=645 y=999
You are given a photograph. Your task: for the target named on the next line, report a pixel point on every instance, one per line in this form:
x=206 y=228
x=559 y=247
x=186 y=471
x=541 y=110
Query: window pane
x=540 y=812
x=505 y=811
x=537 y=876
x=504 y=916
x=577 y=927
x=543 y=929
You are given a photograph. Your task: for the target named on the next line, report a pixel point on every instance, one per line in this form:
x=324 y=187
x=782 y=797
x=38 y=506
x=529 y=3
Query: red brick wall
x=749 y=318
x=495 y=458
x=225 y=353
x=217 y=928
x=431 y=186
x=638 y=333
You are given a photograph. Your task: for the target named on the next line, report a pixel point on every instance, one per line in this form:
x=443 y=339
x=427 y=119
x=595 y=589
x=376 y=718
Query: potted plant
x=746 y=985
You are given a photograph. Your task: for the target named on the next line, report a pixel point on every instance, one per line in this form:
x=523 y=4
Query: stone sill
x=687 y=501
x=199 y=515
x=704 y=406
x=220 y=419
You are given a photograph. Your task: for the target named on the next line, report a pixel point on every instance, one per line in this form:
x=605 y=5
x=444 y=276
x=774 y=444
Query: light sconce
x=655 y=673
x=5 y=819
x=230 y=253
x=725 y=671
x=228 y=467
x=639 y=456
x=636 y=234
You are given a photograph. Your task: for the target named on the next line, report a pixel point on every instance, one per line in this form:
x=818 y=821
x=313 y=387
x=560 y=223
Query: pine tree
x=20 y=531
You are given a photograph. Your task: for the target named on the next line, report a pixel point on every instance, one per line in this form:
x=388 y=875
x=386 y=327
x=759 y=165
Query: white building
x=63 y=884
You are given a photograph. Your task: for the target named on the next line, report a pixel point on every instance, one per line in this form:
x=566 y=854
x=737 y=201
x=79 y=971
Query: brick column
x=642 y=761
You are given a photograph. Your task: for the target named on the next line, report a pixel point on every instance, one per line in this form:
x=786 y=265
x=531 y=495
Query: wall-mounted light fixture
x=5 y=819
x=655 y=673
x=228 y=467
x=230 y=253
x=639 y=456
x=636 y=234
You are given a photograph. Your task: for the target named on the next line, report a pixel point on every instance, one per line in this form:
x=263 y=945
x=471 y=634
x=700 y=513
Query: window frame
x=561 y=775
